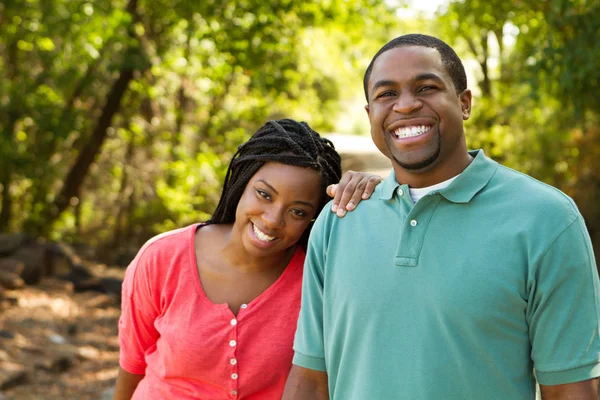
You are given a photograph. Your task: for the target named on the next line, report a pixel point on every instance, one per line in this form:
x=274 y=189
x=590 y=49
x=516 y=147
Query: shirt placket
x=233 y=361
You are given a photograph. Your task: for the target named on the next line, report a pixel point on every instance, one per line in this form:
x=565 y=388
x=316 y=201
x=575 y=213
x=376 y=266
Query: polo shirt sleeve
x=308 y=343
x=563 y=309
x=137 y=333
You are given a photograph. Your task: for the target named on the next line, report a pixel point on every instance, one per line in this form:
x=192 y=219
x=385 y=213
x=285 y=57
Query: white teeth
x=261 y=235
x=409 y=131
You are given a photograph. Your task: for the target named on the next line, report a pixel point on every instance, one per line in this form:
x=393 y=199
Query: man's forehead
x=415 y=60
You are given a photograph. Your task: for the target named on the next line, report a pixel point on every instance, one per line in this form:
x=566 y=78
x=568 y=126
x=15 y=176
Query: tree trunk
x=90 y=151
x=125 y=193
x=6 y=211
x=92 y=148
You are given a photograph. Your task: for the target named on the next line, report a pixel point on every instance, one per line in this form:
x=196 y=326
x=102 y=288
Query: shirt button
x=400 y=192
x=233 y=322
x=244 y=306
x=232 y=343
x=234 y=376
x=234 y=392
x=413 y=222
x=233 y=361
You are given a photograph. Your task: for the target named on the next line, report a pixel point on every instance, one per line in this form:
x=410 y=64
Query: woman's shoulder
x=165 y=245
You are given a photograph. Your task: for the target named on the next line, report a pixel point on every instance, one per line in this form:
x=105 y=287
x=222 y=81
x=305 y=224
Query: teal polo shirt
x=459 y=296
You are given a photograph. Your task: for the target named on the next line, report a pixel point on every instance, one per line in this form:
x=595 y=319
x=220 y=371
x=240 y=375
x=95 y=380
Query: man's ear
x=465 y=103
x=367 y=110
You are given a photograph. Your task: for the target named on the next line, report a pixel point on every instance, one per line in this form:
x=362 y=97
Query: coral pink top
x=191 y=348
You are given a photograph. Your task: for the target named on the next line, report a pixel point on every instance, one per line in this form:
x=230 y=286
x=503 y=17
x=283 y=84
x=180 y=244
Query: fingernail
x=365 y=195
x=334 y=207
x=350 y=206
x=341 y=212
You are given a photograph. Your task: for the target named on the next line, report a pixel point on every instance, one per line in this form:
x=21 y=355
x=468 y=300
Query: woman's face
x=276 y=207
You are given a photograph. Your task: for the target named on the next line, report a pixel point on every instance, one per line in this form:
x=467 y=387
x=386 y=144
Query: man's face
x=415 y=113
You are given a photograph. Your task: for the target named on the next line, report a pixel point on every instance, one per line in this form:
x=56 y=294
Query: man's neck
x=430 y=176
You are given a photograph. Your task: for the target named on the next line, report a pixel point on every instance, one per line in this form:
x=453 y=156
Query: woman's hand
x=351 y=190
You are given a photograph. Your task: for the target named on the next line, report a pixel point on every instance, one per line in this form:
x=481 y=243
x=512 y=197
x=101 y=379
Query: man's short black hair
x=450 y=60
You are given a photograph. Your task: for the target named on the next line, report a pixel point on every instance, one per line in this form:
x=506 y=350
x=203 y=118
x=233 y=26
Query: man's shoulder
x=529 y=205
x=529 y=192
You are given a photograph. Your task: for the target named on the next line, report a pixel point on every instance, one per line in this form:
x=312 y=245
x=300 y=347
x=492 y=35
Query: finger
x=372 y=182
x=351 y=194
x=339 y=190
x=331 y=190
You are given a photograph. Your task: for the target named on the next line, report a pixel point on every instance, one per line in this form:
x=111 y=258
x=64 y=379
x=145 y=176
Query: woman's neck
x=235 y=254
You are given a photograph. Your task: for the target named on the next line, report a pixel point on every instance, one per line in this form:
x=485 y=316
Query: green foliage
x=540 y=111
x=205 y=76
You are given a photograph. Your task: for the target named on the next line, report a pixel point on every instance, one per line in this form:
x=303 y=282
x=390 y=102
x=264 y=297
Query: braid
x=284 y=141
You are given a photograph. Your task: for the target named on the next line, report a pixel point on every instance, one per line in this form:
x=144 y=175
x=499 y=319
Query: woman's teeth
x=410 y=131
x=261 y=235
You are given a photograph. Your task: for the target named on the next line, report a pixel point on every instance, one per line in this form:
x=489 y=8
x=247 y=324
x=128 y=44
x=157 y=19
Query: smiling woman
x=209 y=311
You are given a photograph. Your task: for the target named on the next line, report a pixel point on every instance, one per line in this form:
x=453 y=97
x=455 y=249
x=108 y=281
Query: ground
x=66 y=341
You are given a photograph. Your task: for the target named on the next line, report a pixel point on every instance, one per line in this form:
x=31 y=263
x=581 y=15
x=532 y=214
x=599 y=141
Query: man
x=460 y=278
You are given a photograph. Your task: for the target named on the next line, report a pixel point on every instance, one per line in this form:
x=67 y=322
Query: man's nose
x=407 y=103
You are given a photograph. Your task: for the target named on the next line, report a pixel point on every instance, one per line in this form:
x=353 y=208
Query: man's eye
x=263 y=194
x=385 y=94
x=426 y=88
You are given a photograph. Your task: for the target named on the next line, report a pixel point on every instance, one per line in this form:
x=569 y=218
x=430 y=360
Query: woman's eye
x=299 y=213
x=263 y=194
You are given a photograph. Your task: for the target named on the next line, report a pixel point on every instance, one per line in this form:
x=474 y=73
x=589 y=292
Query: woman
x=209 y=311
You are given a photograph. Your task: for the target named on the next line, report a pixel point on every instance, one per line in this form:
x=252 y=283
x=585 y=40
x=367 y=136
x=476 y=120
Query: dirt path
x=66 y=343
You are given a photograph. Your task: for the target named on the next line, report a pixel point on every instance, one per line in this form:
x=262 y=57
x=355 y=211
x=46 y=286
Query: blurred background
x=118 y=117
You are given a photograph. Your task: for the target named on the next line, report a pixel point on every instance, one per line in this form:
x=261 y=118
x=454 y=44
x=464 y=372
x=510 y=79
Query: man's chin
x=418 y=165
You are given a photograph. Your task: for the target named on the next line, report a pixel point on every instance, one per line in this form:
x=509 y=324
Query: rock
x=57 y=339
x=83 y=280
x=94 y=284
x=97 y=300
x=64 y=258
x=112 y=286
x=88 y=353
x=9 y=243
x=5 y=334
x=37 y=259
x=107 y=395
x=11 y=281
x=58 y=358
x=11 y=375
x=12 y=265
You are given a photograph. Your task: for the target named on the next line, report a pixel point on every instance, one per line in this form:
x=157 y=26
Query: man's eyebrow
x=418 y=78
x=381 y=83
x=428 y=77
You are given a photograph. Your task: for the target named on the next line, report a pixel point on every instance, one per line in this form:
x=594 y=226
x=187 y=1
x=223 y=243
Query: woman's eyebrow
x=306 y=203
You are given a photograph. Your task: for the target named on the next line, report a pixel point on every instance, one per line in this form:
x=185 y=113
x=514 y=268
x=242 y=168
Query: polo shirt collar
x=470 y=182
x=388 y=186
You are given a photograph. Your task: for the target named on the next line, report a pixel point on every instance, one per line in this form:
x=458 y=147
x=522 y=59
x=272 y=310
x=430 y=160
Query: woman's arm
x=351 y=190
x=126 y=384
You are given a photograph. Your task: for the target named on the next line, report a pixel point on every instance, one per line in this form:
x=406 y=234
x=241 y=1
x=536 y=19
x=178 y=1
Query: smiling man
x=461 y=278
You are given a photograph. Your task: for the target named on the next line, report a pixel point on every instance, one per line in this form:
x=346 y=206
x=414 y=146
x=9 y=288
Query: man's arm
x=306 y=384
x=584 y=390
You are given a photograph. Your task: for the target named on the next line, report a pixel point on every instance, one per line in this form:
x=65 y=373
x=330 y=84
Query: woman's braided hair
x=284 y=141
